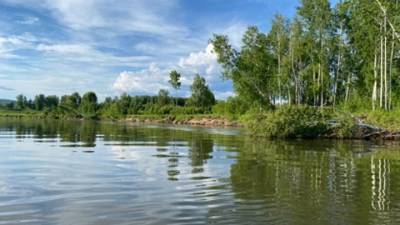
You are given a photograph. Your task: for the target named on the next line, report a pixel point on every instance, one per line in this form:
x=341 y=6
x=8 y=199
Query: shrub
x=233 y=106
x=342 y=125
x=288 y=122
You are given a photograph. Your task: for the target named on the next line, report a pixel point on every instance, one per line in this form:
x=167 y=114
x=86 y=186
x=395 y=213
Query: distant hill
x=4 y=102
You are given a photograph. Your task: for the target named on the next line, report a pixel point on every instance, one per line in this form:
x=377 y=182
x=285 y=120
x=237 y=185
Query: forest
x=88 y=106
x=339 y=62
x=324 y=56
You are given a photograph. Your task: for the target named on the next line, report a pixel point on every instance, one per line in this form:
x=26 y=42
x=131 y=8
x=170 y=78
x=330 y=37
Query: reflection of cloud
x=142 y=156
x=121 y=152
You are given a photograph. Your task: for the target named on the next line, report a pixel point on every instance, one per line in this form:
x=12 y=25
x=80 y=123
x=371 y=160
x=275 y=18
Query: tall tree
x=317 y=18
x=21 y=102
x=279 y=39
x=174 y=80
x=251 y=69
x=163 y=97
x=201 y=94
x=296 y=59
x=39 y=102
x=89 y=104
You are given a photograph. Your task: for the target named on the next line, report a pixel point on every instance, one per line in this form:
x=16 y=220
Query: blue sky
x=111 y=47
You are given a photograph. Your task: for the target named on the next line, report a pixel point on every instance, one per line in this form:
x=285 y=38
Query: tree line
x=88 y=106
x=324 y=56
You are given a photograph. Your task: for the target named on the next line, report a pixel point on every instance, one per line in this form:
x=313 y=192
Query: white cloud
x=30 y=20
x=223 y=94
x=125 y=15
x=152 y=79
x=101 y=38
x=75 y=49
x=235 y=33
x=203 y=62
x=9 y=44
x=83 y=53
x=147 y=81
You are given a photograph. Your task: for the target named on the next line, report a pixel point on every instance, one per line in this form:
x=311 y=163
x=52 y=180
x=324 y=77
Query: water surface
x=80 y=173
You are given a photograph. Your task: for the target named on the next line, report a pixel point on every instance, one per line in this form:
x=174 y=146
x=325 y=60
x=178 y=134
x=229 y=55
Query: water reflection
x=188 y=176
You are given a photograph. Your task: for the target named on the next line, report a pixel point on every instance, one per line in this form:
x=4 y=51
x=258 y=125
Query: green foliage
x=21 y=102
x=288 y=122
x=343 y=125
x=174 y=79
x=88 y=106
x=251 y=68
x=39 y=102
x=233 y=106
x=358 y=103
x=202 y=96
x=172 y=110
x=388 y=120
x=163 y=97
x=325 y=56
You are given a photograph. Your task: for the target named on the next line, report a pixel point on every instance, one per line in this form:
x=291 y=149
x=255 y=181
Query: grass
x=24 y=113
x=389 y=120
x=177 y=118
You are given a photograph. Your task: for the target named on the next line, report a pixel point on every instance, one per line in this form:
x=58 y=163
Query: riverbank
x=359 y=130
x=209 y=120
x=194 y=120
x=283 y=122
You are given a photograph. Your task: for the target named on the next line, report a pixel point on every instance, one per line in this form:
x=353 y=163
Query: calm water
x=73 y=173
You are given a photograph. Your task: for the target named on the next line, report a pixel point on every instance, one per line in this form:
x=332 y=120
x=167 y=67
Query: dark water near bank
x=88 y=173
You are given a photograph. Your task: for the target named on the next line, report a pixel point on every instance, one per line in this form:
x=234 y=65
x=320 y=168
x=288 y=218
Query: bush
x=288 y=122
x=173 y=110
x=356 y=104
x=385 y=119
x=343 y=125
x=233 y=106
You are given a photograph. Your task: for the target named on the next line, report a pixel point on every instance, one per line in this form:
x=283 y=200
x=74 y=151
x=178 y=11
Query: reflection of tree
x=380 y=184
x=69 y=131
x=310 y=179
x=200 y=149
x=88 y=133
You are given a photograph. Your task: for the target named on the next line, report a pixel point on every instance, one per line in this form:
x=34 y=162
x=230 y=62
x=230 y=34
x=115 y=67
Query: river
x=81 y=173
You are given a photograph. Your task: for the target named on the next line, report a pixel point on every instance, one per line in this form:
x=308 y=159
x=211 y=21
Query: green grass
x=179 y=117
x=23 y=113
x=389 y=120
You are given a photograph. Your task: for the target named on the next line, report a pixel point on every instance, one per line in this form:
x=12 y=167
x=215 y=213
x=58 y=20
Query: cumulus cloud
x=153 y=78
x=98 y=39
x=147 y=81
x=203 y=63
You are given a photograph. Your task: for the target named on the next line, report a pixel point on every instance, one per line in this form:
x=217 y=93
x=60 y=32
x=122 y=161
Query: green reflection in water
x=254 y=181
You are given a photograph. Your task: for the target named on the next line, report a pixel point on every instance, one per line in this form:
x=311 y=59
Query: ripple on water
x=113 y=174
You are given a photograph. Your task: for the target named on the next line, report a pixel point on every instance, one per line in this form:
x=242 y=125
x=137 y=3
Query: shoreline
x=206 y=121
x=361 y=131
